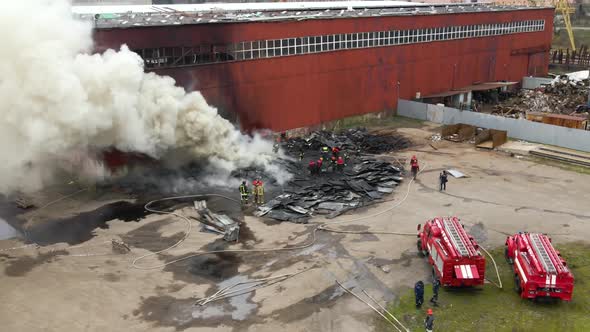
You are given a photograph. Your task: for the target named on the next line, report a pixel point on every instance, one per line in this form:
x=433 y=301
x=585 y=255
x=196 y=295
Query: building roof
x=162 y=15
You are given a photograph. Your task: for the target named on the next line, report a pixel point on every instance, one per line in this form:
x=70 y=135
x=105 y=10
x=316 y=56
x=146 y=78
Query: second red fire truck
x=539 y=269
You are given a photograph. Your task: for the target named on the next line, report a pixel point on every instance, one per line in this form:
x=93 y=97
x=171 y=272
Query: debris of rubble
x=120 y=247
x=351 y=140
x=564 y=95
x=363 y=180
x=217 y=223
x=23 y=202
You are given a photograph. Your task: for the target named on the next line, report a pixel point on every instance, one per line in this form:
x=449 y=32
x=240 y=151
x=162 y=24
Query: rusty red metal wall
x=296 y=91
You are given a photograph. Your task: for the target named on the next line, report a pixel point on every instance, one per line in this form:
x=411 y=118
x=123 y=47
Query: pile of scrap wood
x=564 y=95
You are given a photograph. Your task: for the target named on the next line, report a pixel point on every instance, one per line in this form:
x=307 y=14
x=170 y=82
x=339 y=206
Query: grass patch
x=493 y=309
x=561 y=40
x=560 y=164
x=374 y=122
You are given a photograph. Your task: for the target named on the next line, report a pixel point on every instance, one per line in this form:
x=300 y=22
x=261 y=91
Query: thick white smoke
x=57 y=99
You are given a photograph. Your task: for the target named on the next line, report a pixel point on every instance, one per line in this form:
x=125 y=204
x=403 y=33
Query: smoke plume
x=59 y=102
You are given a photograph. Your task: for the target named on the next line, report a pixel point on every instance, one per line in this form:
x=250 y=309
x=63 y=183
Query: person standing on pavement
x=443 y=180
x=429 y=321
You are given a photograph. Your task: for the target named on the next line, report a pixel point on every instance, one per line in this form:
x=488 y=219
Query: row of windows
x=304 y=45
x=182 y=56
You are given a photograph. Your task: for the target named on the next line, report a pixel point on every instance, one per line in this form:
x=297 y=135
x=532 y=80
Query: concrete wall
x=532 y=83
x=576 y=139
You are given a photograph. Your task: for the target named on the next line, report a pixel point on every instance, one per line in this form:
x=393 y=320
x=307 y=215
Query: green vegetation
x=493 y=309
x=561 y=40
x=371 y=120
x=559 y=164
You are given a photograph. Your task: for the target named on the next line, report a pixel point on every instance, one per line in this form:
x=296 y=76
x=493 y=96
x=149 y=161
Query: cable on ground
x=253 y=285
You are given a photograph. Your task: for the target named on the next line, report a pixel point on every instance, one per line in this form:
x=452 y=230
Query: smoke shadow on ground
x=80 y=228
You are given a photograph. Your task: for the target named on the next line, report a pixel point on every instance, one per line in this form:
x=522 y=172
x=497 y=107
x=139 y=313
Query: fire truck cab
x=454 y=255
x=539 y=269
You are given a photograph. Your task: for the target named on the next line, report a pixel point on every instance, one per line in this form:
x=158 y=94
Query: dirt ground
x=61 y=288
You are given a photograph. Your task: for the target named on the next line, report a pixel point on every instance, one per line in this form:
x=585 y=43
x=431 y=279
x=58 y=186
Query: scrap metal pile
x=363 y=180
x=563 y=96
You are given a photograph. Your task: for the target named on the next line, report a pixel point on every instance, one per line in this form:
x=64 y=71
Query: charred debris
x=364 y=179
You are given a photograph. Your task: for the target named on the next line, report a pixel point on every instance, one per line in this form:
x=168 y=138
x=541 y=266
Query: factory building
x=289 y=65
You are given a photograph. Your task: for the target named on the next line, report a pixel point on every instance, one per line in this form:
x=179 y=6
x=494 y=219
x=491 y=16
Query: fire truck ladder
x=455 y=237
x=542 y=253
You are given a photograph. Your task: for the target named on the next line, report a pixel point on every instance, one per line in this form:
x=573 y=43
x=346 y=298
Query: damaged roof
x=162 y=15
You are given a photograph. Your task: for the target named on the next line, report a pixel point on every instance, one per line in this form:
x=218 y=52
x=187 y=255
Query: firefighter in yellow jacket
x=258 y=191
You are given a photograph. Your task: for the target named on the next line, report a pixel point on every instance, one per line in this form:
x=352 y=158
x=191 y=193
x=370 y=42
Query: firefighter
x=275 y=148
x=435 y=287
x=301 y=155
x=340 y=164
x=414 y=166
x=312 y=167
x=319 y=164
x=254 y=190
x=443 y=180
x=333 y=163
x=325 y=151
x=419 y=293
x=259 y=189
x=429 y=320
x=244 y=193
x=335 y=151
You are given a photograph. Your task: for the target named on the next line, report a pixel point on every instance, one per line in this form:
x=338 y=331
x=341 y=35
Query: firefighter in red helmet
x=414 y=167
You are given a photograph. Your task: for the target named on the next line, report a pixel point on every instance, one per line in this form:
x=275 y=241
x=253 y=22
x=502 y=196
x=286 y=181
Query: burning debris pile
x=565 y=96
x=363 y=179
x=357 y=140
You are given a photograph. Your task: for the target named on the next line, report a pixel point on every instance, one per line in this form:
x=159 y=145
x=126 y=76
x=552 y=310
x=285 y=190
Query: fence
x=578 y=58
x=576 y=139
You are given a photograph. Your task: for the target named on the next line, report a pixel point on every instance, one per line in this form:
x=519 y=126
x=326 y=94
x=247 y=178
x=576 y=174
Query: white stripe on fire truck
x=547 y=281
x=524 y=278
x=468 y=270
x=463 y=273
x=553 y=280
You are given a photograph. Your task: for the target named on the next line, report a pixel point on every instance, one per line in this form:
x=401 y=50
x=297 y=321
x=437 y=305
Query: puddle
x=80 y=228
x=7 y=231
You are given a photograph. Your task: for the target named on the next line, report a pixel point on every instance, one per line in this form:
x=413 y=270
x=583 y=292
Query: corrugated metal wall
x=296 y=91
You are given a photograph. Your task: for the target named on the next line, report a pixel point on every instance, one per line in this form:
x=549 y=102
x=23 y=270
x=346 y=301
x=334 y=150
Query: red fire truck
x=539 y=269
x=454 y=255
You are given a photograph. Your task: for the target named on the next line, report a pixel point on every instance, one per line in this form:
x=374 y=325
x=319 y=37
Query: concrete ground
x=61 y=288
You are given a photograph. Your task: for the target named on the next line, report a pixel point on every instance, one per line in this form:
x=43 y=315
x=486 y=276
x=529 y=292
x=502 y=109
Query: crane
x=563 y=7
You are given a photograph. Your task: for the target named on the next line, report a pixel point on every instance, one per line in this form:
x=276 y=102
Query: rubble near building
x=565 y=95
x=363 y=180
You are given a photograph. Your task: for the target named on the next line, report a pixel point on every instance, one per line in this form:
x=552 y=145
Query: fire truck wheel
x=419 y=246
x=508 y=259
x=517 y=287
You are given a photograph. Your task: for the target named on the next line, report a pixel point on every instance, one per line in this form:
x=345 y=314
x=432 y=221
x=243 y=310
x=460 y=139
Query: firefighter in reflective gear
x=340 y=164
x=325 y=151
x=419 y=293
x=429 y=321
x=259 y=192
x=254 y=191
x=414 y=166
x=244 y=192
